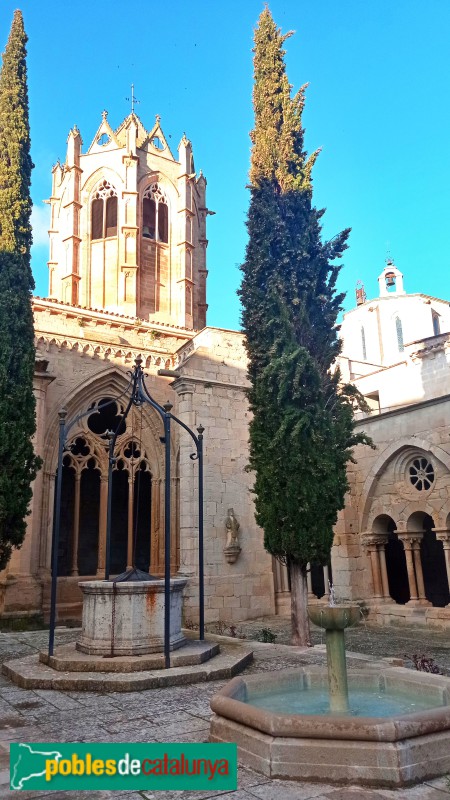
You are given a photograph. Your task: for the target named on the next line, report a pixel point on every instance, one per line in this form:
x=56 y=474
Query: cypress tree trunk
x=299 y=602
x=18 y=463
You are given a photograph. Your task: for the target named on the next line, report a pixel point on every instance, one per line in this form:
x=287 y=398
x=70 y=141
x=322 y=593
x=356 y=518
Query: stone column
x=102 y=525
x=443 y=535
x=188 y=483
x=311 y=595
x=44 y=553
x=25 y=561
x=407 y=546
x=174 y=530
x=384 y=575
x=415 y=542
x=370 y=542
x=326 y=580
x=76 y=524
x=281 y=577
x=155 y=566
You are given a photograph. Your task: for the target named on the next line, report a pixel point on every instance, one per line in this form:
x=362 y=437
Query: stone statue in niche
x=232 y=548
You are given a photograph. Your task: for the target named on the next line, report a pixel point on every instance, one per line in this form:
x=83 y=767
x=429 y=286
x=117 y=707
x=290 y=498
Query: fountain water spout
x=331 y=595
x=334 y=618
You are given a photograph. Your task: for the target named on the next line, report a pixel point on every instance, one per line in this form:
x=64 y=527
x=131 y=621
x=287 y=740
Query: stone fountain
x=335 y=619
x=379 y=725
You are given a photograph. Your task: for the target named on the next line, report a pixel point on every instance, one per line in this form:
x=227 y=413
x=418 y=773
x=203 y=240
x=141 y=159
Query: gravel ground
x=372 y=641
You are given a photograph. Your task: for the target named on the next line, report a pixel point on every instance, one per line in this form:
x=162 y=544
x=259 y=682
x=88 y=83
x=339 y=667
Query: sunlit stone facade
x=127 y=278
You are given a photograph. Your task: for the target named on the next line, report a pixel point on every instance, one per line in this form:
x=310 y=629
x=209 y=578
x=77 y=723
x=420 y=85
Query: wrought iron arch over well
x=115 y=410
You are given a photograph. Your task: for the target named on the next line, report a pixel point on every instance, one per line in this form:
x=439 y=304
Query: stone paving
x=182 y=714
x=377 y=642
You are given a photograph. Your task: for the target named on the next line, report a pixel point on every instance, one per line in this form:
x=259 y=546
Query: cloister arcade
x=410 y=562
x=319 y=579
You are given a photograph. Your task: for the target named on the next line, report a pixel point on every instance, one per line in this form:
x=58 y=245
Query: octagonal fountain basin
x=397 y=730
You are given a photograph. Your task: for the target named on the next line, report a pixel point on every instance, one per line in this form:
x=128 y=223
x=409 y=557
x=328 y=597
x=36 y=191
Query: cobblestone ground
x=377 y=642
x=182 y=714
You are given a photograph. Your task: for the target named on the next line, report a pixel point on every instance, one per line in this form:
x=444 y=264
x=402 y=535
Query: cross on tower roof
x=133 y=99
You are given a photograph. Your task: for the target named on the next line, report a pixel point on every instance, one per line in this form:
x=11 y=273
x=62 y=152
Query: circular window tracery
x=156 y=192
x=104 y=189
x=421 y=474
x=106 y=415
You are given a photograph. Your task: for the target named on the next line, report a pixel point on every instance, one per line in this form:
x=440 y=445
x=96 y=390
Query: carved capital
x=411 y=539
x=443 y=535
x=372 y=540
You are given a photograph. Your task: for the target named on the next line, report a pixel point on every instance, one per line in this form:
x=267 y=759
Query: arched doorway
x=432 y=559
x=395 y=559
x=396 y=569
x=319 y=578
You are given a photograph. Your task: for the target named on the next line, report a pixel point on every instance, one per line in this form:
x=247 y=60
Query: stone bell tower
x=128 y=226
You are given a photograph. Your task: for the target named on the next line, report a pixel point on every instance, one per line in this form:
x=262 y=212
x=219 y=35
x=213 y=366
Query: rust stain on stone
x=150 y=601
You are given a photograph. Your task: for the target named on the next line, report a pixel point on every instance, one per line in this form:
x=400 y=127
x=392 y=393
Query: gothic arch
x=102 y=173
x=110 y=383
x=156 y=176
x=413 y=442
x=103 y=210
x=432 y=558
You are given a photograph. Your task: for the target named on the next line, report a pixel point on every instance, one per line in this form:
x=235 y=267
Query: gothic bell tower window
x=399 y=331
x=436 y=324
x=155 y=214
x=104 y=212
x=363 y=343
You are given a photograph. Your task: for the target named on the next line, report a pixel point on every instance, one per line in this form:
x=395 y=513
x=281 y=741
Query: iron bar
x=197 y=456
x=56 y=529
x=201 y=568
x=167 y=488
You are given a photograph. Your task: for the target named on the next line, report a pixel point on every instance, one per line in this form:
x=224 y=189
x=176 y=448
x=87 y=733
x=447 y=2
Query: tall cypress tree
x=302 y=431
x=18 y=463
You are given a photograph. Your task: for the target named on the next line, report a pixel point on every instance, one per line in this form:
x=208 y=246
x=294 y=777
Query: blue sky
x=377 y=103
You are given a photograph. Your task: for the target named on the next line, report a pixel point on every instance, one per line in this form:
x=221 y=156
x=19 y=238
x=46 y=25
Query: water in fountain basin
x=364 y=702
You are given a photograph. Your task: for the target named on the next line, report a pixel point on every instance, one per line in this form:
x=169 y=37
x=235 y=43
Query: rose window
x=421 y=474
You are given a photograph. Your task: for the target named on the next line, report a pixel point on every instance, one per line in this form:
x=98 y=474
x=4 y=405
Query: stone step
x=67 y=658
x=31 y=673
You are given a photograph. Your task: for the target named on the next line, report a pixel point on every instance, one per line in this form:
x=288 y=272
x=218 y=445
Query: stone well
x=127 y=618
